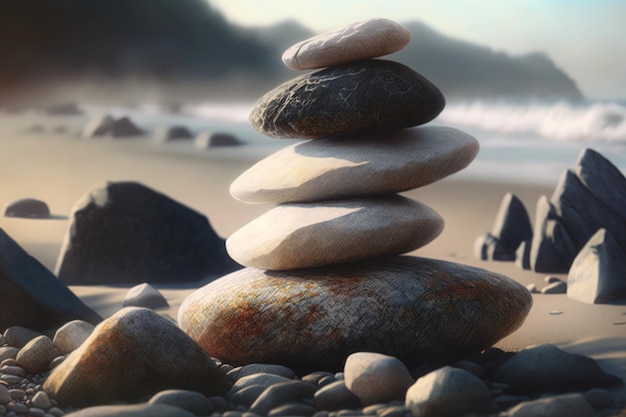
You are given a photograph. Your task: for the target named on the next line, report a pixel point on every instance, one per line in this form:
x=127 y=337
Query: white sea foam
x=561 y=121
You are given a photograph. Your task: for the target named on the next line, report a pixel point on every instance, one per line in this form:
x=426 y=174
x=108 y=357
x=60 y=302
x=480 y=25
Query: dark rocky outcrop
x=208 y=140
x=125 y=232
x=31 y=296
x=172 y=133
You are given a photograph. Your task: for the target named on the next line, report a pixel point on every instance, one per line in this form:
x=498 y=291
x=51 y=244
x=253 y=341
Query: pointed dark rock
x=522 y=255
x=125 y=232
x=512 y=224
x=603 y=179
x=598 y=274
x=487 y=247
x=582 y=214
x=31 y=296
x=551 y=249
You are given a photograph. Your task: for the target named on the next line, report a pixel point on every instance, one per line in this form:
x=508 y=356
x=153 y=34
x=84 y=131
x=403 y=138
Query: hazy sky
x=585 y=38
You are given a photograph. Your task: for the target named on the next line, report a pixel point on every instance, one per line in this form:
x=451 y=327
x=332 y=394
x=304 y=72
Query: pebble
x=71 y=335
x=145 y=295
x=600 y=398
x=336 y=396
x=36 y=355
x=41 y=400
x=376 y=378
x=292 y=409
x=17 y=394
x=255 y=368
x=18 y=336
x=263 y=378
x=191 y=401
x=5 y=397
x=13 y=370
x=8 y=352
x=570 y=405
x=247 y=395
x=358 y=41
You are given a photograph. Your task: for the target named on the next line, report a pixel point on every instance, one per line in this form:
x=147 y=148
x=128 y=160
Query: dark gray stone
x=551 y=249
x=135 y=410
x=18 y=336
x=192 y=401
x=598 y=274
x=346 y=99
x=31 y=296
x=255 y=368
x=124 y=127
x=98 y=127
x=487 y=247
x=281 y=393
x=292 y=409
x=172 y=133
x=582 y=214
x=570 y=405
x=27 y=208
x=512 y=224
x=546 y=368
x=208 y=140
x=599 y=398
x=125 y=232
x=603 y=179
x=336 y=396
x=63 y=109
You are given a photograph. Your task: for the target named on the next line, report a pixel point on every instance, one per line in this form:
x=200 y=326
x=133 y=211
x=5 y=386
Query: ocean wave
x=559 y=121
x=236 y=112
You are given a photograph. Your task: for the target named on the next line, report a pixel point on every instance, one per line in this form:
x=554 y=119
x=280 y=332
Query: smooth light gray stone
x=448 y=392
x=384 y=163
x=36 y=356
x=358 y=41
x=415 y=309
x=255 y=368
x=145 y=295
x=598 y=273
x=376 y=378
x=304 y=235
x=71 y=335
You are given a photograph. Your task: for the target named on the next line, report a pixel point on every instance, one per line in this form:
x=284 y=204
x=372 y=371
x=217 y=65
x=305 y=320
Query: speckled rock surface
x=358 y=41
x=415 y=309
x=346 y=99
x=306 y=235
x=325 y=169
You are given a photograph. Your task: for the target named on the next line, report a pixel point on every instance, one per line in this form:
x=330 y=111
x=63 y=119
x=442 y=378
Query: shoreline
x=59 y=169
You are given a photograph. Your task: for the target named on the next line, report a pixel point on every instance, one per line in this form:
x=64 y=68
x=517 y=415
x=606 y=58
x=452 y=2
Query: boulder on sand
x=415 y=309
x=127 y=233
x=109 y=126
x=171 y=133
x=208 y=140
x=31 y=296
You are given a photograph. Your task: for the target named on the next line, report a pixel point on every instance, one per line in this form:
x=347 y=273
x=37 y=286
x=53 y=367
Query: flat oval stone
x=331 y=168
x=356 y=42
x=305 y=235
x=416 y=309
x=346 y=99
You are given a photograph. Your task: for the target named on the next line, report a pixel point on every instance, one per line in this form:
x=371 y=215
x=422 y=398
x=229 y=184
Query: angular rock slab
x=133 y=354
x=31 y=296
x=127 y=233
x=356 y=42
x=346 y=99
x=306 y=235
x=325 y=169
x=598 y=273
x=416 y=309
x=512 y=225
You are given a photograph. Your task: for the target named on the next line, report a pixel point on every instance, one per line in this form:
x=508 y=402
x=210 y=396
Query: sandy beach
x=59 y=168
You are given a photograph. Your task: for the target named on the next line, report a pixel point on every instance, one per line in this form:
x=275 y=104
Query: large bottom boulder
x=415 y=309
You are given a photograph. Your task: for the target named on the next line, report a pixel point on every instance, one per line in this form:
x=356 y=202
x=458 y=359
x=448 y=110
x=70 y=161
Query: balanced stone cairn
x=324 y=274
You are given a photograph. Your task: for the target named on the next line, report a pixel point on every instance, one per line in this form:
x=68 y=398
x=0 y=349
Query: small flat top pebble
x=362 y=40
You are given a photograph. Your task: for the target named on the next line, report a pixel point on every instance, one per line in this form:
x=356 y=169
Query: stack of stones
x=324 y=274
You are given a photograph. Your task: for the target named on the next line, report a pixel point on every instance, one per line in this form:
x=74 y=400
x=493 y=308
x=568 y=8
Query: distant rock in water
x=27 y=208
x=208 y=140
x=109 y=126
x=31 y=296
x=172 y=133
x=64 y=109
x=125 y=232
